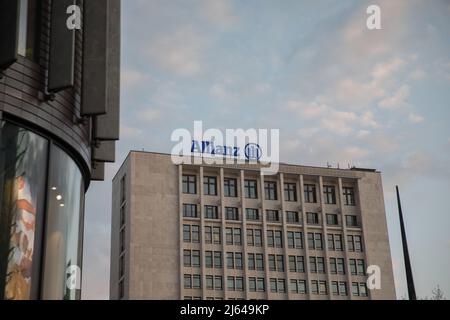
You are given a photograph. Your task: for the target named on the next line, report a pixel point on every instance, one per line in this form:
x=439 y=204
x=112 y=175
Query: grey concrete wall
x=154 y=228
x=376 y=233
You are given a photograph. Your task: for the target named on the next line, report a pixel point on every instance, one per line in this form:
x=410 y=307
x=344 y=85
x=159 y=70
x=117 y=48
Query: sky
x=338 y=92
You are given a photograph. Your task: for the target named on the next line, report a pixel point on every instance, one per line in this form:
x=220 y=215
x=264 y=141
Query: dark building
x=59 y=120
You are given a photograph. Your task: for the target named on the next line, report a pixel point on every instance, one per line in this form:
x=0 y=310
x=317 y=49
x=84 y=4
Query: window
x=338 y=242
x=310 y=193
x=122 y=215
x=333 y=267
x=233 y=236
x=230 y=187
x=213 y=259
x=252 y=214
x=210 y=186
x=340 y=266
x=295 y=240
x=254 y=237
x=292 y=217
x=121 y=289
x=270 y=190
x=277 y=285
x=339 y=288
x=123 y=192
x=231 y=214
x=329 y=194
x=256 y=284
x=191 y=258
x=297 y=264
x=343 y=288
x=27 y=41
x=349 y=196
x=332 y=219
x=192 y=281
x=323 y=287
x=351 y=221
x=238 y=260
x=191 y=233
x=251 y=189
x=290 y=192
x=255 y=261
x=122 y=240
x=276 y=263
x=312 y=218
x=212 y=235
x=251 y=262
x=211 y=212
x=330 y=242
x=360 y=267
x=354 y=243
x=235 y=283
x=358 y=245
x=298 y=286
x=217 y=259
x=230 y=260
x=189 y=184
x=190 y=210
x=252 y=284
x=274 y=238
x=315 y=241
x=359 y=289
x=272 y=216
x=121 y=266
x=334 y=242
x=318 y=287
x=317 y=264
x=259 y=262
x=214 y=283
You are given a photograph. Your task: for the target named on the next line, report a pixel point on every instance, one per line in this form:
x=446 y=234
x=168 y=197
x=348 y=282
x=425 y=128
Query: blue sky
x=338 y=92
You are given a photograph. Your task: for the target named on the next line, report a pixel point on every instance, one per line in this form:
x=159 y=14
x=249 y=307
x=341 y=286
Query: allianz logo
x=252 y=151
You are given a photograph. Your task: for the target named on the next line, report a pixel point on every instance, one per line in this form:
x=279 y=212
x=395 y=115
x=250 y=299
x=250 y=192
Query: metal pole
x=409 y=275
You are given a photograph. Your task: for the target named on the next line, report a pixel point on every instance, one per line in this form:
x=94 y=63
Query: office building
x=59 y=120
x=227 y=232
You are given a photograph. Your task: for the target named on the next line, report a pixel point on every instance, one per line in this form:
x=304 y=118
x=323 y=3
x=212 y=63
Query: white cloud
x=180 y=52
x=217 y=12
x=150 y=115
x=384 y=70
x=129 y=132
x=368 y=120
x=397 y=100
x=415 y=118
x=417 y=74
x=131 y=78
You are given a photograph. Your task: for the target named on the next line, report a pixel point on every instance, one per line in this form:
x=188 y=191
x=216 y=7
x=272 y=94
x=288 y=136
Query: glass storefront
x=41 y=188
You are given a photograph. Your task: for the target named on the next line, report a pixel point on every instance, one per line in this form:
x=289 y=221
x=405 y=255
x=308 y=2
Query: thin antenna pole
x=409 y=275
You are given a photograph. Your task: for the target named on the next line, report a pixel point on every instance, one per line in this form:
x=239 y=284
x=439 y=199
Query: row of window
x=255 y=261
x=277 y=285
x=232 y=214
x=230 y=189
x=233 y=236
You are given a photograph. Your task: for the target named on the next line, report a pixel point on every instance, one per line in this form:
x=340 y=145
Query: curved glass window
x=41 y=218
x=23 y=160
x=62 y=262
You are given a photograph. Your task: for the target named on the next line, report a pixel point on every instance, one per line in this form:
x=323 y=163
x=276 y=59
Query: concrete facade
x=161 y=259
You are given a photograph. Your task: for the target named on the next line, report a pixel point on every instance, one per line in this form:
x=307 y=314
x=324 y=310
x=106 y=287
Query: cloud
x=150 y=115
x=415 y=118
x=417 y=74
x=385 y=70
x=131 y=78
x=180 y=52
x=129 y=132
x=217 y=12
x=397 y=100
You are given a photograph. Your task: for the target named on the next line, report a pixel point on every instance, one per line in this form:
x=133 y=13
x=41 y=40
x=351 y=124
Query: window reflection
x=63 y=237
x=27 y=28
x=23 y=158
